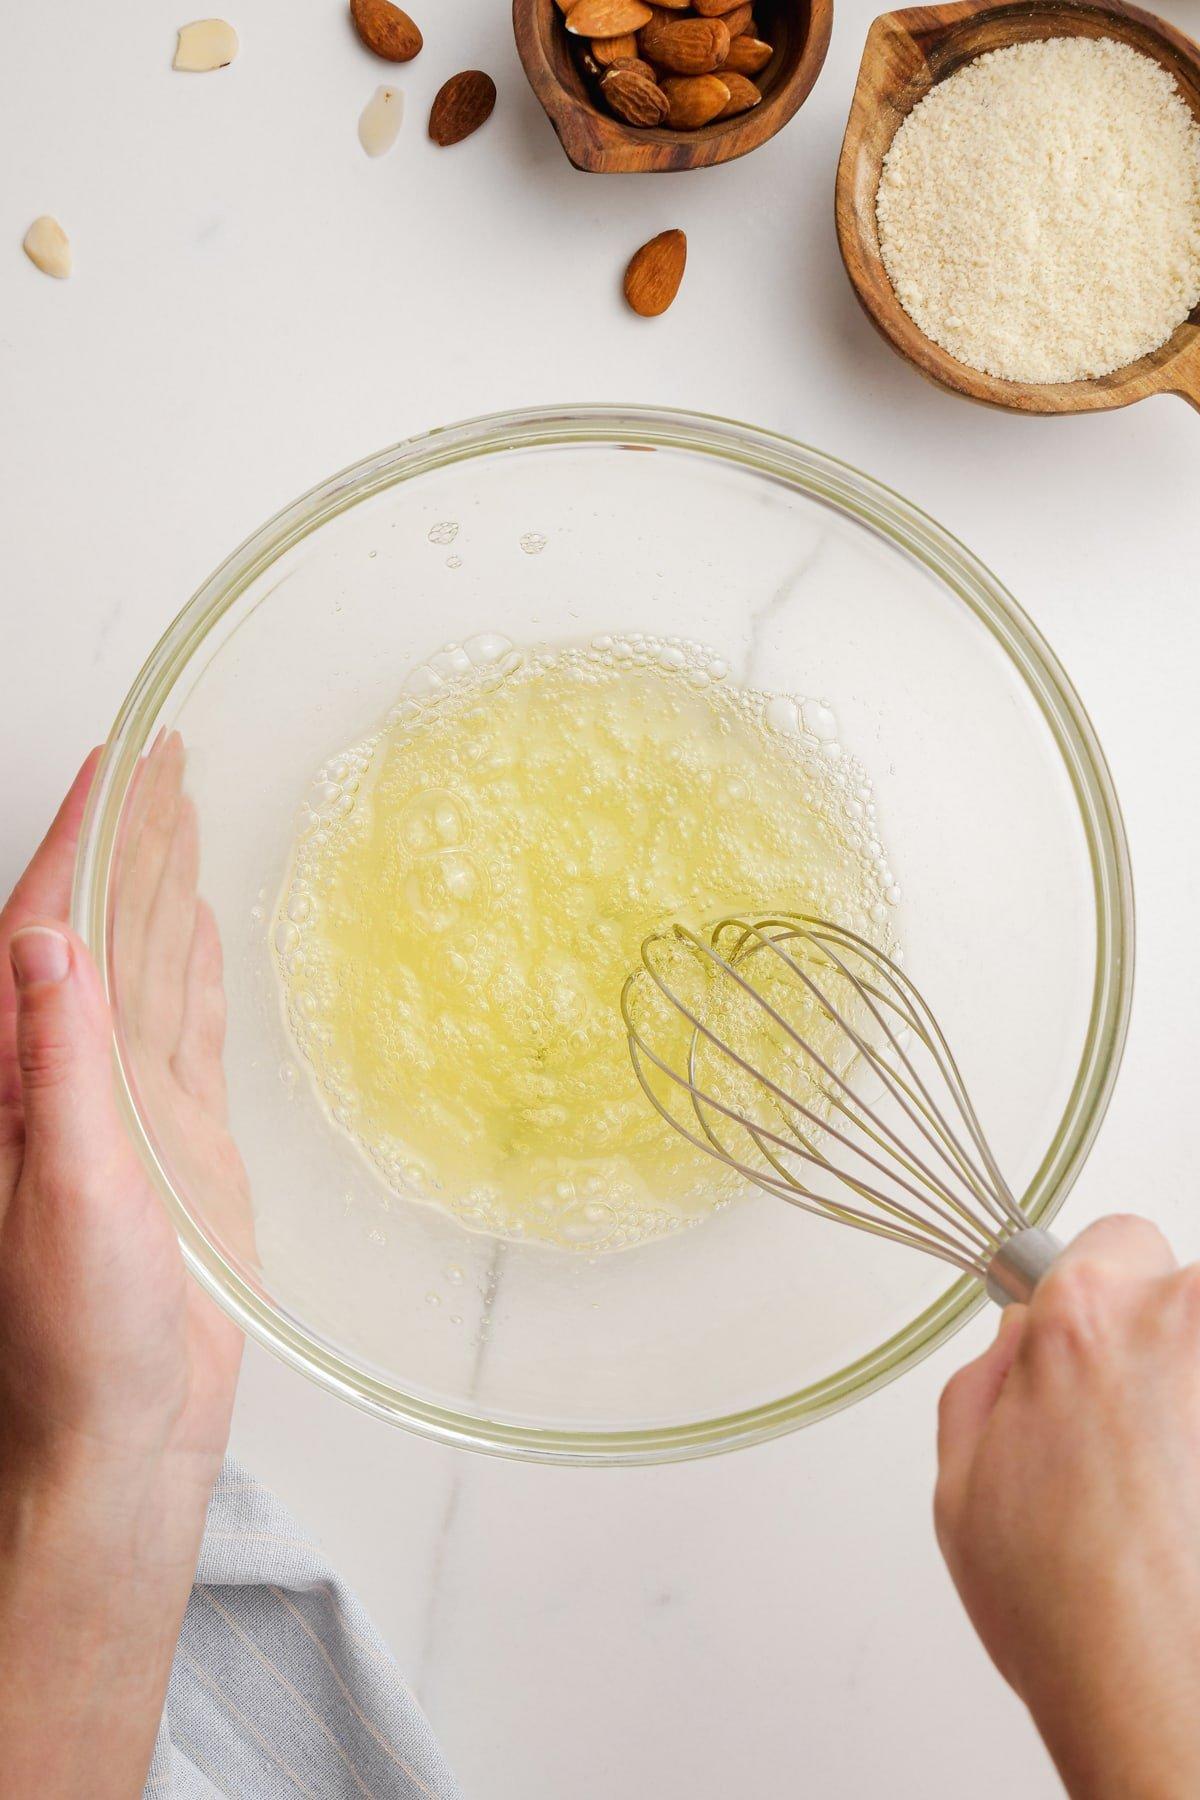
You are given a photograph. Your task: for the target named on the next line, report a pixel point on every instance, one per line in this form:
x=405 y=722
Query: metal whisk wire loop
x=801 y=997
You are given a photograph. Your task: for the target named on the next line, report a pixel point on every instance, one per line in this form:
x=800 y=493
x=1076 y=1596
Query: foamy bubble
x=488 y=647
x=819 y=720
x=782 y=714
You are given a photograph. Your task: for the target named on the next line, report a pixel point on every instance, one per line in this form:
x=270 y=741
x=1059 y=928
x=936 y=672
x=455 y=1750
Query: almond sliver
x=205 y=44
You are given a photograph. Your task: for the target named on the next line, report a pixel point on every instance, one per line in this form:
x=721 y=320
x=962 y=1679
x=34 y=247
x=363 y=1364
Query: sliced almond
x=742 y=94
x=379 y=121
x=606 y=51
x=687 y=46
x=386 y=30
x=461 y=106
x=205 y=44
x=607 y=18
x=655 y=272
x=694 y=100
x=736 y=21
x=48 y=248
x=747 y=56
x=640 y=101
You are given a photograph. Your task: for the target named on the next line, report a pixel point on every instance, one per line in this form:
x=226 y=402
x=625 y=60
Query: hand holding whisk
x=804 y=1059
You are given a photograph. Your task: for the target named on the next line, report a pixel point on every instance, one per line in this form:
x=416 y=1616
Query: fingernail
x=39 y=953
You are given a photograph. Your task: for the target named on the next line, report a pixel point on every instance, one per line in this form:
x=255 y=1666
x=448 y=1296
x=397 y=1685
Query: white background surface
x=254 y=305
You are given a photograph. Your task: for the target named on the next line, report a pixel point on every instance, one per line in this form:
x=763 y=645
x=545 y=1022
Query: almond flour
x=1039 y=210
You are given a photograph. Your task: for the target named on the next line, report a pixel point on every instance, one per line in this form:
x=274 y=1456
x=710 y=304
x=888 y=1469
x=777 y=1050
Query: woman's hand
x=116 y=1373
x=1068 y=1510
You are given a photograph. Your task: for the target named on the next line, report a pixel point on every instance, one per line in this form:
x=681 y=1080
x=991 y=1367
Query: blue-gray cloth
x=281 y=1685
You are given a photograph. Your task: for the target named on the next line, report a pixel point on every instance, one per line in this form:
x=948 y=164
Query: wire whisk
x=804 y=1059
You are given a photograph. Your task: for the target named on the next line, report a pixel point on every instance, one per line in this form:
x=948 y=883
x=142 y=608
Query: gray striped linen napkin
x=281 y=1685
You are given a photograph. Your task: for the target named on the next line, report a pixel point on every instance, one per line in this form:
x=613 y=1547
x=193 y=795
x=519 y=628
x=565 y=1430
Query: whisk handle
x=1019 y=1265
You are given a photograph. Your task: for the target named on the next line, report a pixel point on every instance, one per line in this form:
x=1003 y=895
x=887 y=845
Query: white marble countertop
x=255 y=305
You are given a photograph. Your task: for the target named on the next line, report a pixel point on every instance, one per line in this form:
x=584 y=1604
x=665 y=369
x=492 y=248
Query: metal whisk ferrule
x=801 y=1056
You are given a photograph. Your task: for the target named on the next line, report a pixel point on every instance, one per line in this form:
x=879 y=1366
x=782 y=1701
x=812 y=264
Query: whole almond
x=607 y=51
x=386 y=30
x=694 y=100
x=640 y=101
x=633 y=65
x=461 y=106
x=711 y=9
x=687 y=46
x=655 y=272
x=737 y=21
x=742 y=94
x=747 y=56
x=607 y=18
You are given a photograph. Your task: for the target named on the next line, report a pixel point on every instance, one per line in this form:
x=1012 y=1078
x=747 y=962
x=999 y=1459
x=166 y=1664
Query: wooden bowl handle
x=1185 y=375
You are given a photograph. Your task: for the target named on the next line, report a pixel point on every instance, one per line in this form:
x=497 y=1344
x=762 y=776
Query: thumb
x=63 y=1054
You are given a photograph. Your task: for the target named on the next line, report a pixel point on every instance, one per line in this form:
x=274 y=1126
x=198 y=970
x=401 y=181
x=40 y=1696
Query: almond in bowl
x=680 y=54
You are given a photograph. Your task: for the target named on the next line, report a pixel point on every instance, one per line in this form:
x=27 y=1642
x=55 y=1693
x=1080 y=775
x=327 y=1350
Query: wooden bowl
x=908 y=52
x=596 y=140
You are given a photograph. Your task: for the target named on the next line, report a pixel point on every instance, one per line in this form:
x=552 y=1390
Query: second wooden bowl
x=596 y=140
x=906 y=53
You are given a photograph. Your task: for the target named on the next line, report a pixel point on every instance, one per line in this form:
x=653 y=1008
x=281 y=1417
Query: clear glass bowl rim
x=881 y=511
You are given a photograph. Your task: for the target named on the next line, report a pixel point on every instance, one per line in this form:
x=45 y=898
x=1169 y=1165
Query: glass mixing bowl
x=996 y=807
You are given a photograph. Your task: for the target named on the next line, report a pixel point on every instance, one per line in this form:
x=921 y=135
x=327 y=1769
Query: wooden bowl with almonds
x=681 y=84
